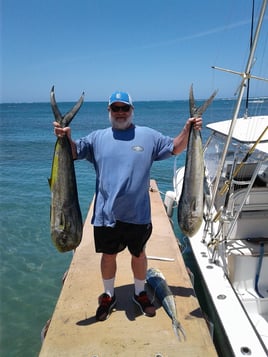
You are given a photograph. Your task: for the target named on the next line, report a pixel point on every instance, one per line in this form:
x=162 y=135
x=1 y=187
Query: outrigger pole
x=245 y=76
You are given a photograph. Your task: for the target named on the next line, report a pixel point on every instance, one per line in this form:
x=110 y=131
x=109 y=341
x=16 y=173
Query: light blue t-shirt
x=122 y=160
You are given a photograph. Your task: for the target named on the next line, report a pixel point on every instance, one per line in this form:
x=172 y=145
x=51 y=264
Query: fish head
x=65 y=241
x=190 y=223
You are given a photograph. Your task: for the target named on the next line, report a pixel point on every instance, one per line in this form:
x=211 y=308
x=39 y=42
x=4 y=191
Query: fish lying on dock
x=66 y=224
x=191 y=203
x=162 y=292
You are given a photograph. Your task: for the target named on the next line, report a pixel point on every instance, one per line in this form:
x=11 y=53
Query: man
x=122 y=156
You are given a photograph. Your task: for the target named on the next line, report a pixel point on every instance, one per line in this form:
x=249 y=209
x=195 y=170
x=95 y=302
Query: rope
x=259 y=270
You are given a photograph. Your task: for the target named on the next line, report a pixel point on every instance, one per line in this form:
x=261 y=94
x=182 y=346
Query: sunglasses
x=124 y=108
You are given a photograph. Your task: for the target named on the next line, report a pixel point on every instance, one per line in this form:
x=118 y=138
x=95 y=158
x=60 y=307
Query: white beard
x=121 y=125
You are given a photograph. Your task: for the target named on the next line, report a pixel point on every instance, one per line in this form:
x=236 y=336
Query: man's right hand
x=61 y=132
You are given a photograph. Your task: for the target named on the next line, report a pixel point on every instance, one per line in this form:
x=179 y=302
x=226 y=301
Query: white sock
x=139 y=286
x=109 y=286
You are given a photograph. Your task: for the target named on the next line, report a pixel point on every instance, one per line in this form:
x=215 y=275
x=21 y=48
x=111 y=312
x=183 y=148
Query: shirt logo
x=137 y=148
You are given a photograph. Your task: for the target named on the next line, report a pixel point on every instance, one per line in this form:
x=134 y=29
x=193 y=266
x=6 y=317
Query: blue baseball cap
x=121 y=97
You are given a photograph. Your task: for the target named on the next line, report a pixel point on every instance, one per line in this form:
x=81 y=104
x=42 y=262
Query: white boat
x=231 y=246
x=259 y=101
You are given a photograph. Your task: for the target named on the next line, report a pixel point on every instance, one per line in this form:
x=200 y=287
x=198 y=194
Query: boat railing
x=245 y=174
x=244 y=199
x=248 y=213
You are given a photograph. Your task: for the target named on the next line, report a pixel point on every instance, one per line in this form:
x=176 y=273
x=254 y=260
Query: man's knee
x=108 y=257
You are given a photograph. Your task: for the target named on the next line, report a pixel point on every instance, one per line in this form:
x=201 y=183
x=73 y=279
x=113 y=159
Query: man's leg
x=139 y=268
x=108 y=271
x=107 y=300
x=108 y=266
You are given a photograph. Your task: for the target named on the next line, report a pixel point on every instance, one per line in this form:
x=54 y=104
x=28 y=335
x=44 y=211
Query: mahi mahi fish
x=191 y=202
x=157 y=282
x=66 y=224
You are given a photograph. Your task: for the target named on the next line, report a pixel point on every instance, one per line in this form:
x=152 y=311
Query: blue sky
x=152 y=48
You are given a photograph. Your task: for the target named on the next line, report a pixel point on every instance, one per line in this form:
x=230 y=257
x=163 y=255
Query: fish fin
x=178 y=329
x=192 y=106
x=55 y=109
x=198 y=111
x=193 y=205
x=71 y=114
x=67 y=118
x=64 y=222
x=207 y=103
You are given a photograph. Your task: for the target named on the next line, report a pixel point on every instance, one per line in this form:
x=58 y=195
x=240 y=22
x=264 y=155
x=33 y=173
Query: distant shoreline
x=254 y=100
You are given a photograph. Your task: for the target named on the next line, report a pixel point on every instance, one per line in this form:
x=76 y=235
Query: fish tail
x=178 y=329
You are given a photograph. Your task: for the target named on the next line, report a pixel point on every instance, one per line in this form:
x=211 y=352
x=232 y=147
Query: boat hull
x=229 y=253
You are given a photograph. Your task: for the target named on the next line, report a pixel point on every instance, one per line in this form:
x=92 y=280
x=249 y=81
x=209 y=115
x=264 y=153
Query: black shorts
x=112 y=240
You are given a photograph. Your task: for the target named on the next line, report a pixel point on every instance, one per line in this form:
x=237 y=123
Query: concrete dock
x=74 y=332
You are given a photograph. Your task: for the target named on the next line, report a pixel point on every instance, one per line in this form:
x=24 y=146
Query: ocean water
x=31 y=268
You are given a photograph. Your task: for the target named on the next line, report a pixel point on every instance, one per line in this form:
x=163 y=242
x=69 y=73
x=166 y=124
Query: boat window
x=212 y=155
